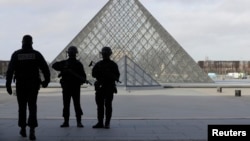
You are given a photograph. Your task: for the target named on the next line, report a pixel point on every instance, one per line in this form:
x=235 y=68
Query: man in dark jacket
x=72 y=77
x=106 y=73
x=24 y=68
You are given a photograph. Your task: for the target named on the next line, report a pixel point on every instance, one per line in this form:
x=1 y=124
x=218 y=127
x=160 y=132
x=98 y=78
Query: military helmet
x=106 y=51
x=72 y=50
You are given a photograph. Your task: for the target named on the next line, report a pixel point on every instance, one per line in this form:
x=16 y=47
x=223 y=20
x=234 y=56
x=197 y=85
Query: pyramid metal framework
x=130 y=30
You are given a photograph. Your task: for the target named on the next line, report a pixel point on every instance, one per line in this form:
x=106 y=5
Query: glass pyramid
x=130 y=30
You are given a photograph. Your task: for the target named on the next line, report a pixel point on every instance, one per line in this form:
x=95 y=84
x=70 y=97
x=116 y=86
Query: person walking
x=106 y=73
x=72 y=76
x=24 y=68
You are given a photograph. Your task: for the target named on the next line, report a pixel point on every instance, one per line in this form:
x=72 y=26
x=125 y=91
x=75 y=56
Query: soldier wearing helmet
x=72 y=76
x=106 y=73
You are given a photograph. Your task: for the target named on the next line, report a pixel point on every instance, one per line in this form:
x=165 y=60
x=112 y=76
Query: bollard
x=238 y=93
x=219 y=89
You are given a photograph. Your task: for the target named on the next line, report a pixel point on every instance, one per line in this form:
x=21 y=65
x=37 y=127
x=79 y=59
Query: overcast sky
x=217 y=29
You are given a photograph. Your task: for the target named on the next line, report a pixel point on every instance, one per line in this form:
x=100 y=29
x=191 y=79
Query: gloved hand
x=45 y=84
x=9 y=89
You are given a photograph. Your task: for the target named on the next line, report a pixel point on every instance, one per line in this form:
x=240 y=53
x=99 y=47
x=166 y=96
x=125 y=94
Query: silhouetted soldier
x=72 y=77
x=106 y=73
x=24 y=67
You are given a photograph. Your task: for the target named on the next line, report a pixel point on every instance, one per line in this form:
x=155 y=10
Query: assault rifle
x=76 y=76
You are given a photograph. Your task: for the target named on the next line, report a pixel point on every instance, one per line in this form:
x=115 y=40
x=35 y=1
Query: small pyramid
x=133 y=75
x=130 y=30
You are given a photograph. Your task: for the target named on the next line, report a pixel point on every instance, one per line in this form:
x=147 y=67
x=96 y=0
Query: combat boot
x=66 y=122
x=23 y=132
x=79 y=121
x=32 y=134
x=98 y=125
x=107 y=124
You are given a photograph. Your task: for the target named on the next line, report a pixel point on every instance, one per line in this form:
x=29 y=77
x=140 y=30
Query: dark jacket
x=25 y=66
x=71 y=71
x=106 y=72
